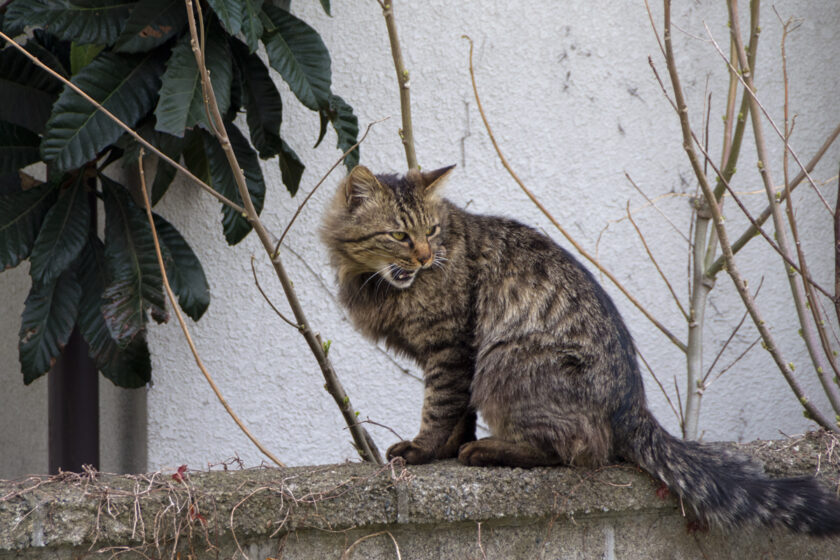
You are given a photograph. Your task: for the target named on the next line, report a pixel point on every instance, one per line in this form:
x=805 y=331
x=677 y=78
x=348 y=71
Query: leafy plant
x=136 y=60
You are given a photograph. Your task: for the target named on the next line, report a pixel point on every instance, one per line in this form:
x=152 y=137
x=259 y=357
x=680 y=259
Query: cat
x=507 y=323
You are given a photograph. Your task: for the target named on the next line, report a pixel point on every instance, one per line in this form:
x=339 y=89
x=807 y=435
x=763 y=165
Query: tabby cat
x=505 y=322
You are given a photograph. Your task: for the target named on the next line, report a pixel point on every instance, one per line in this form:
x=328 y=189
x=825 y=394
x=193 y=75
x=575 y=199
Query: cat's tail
x=724 y=489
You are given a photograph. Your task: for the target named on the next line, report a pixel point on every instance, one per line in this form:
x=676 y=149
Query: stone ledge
x=431 y=511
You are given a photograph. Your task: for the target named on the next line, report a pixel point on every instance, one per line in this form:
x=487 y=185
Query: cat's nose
x=423 y=255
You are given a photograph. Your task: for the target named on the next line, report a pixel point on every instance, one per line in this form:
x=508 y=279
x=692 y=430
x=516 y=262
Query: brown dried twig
x=174 y=300
x=209 y=190
x=407 y=130
x=718 y=221
x=362 y=440
x=676 y=341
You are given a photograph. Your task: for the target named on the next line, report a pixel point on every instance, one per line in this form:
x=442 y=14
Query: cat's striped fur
x=505 y=322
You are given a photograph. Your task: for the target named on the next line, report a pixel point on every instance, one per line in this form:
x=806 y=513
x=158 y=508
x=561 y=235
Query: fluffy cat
x=505 y=322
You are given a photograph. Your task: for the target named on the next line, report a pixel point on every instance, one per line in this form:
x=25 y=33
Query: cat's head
x=386 y=225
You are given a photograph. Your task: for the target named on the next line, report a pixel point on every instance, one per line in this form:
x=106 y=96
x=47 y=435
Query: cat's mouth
x=400 y=277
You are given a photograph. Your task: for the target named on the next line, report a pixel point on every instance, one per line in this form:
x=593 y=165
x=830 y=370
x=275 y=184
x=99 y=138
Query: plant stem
x=177 y=310
x=701 y=285
x=122 y=125
x=362 y=440
x=797 y=290
x=837 y=252
x=676 y=341
x=407 y=130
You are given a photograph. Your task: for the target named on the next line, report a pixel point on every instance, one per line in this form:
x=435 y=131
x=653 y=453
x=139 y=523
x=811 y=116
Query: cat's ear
x=432 y=181
x=359 y=185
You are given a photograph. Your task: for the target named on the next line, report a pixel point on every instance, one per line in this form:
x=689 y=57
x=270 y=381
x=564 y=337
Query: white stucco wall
x=574 y=105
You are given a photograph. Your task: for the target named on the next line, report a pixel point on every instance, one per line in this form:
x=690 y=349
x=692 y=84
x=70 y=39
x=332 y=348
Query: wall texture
x=574 y=105
x=356 y=511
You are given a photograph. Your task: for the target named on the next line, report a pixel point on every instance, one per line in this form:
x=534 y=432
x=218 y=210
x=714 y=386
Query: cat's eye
x=398 y=235
x=431 y=230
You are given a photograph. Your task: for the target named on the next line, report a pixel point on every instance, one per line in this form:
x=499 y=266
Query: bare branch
x=122 y=125
x=407 y=130
x=731 y=268
x=797 y=290
x=676 y=341
x=655 y=264
x=320 y=182
x=267 y=299
x=177 y=310
x=364 y=444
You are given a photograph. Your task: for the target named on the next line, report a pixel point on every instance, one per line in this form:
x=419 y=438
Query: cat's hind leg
x=493 y=451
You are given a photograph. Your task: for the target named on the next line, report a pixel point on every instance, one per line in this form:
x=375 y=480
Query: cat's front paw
x=411 y=452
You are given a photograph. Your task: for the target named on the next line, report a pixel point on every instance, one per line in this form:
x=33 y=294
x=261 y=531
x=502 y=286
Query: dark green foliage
x=76 y=132
x=63 y=233
x=48 y=318
x=183 y=269
x=135 y=58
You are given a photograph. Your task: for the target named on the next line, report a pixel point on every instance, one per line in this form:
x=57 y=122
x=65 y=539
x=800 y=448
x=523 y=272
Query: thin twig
x=655 y=207
x=121 y=124
x=735 y=361
x=362 y=440
x=655 y=264
x=731 y=337
x=837 y=252
x=346 y=554
x=267 y=299
x=407 y=130
x=676 y=341
x=319 y=183
x=811 y=298
x=183 y=324
x=726 y=248
x=677 y=413
x=797 y=290
x=752 y=229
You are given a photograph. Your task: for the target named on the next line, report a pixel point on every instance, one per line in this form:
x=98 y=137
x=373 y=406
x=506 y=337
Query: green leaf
x=183 y=270
x=171 y=146
x=18 y=148
x=151 y=23
x=262 y=103
x=324 y=119
x=49 y=314
x=291 y=168
x=252 y=27
x=195 y=156
x=326 y=5
x=82 y=21
x=27 y=92
x=127 y=367
x=346 y=127
x=230 y=14
x=298 y=53
x=181 y=103
x=235 y=226
x=21 y=214
x=82 y=55
x=126 y=85
x=134 y=283
x=63 y=233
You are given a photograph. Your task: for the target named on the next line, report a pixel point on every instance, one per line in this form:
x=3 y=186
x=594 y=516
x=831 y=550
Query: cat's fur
x=505 y=322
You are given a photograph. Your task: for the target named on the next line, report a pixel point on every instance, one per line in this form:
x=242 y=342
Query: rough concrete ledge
x=360 y=511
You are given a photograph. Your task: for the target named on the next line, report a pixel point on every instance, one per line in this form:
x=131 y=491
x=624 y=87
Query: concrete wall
x=356 y=511
x=574 y=106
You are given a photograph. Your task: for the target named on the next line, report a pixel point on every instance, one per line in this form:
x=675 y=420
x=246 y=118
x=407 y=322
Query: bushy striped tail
x=727 y=490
